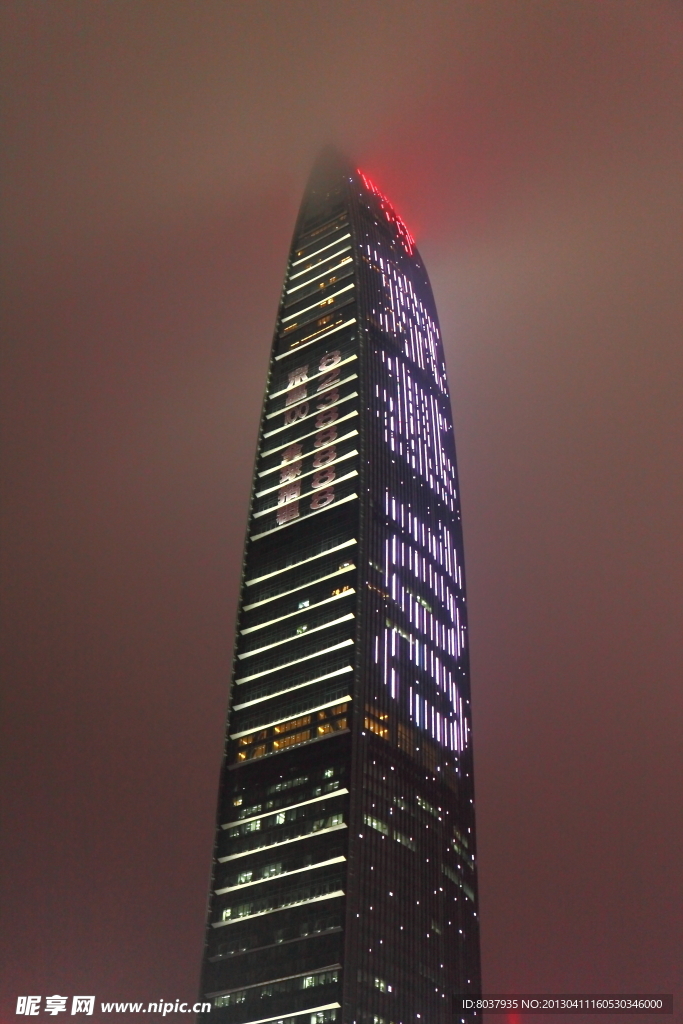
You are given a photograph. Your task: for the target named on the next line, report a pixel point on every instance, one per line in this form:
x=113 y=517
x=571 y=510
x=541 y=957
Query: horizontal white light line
x=303 y=437
x=283 y=842
x=297 y=636
x=290 y=689
x=334 y=504
x=310 y=472
x=272 y=981
x=327 y=301
x=302 y=586
x=297 y=661
x=328 y=387
x=305 y=494
x=346 y=699
x=323 y=273
x=310 y=415
x=295 y=565
x=299 y=611
x=289 y=807
x=283 y=874
x=325 y=259
x=314 y=376
x=349 y=567
x=311 y=339
x=328 y=246
x=293 y=1013
x=276 y=910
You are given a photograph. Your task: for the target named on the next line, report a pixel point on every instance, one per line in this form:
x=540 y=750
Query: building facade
x=344 y=884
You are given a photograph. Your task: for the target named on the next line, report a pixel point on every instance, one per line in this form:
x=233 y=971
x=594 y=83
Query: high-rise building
x=344 y=885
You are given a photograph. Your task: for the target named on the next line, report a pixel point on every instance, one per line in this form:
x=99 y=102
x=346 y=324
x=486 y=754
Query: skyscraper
x=344 y=884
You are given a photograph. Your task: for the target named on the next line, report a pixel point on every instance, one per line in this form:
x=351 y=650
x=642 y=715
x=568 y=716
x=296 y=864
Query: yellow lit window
x=294 y=723
x=290 y=741
x=374 y=726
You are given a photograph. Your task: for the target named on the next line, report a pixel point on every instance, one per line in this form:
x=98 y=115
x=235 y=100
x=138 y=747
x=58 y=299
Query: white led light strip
x=327 y=301
x=310 y=398
x=299 y=611
x=311 y=255
x=310 y=472
x=323 y=273
x=289 y=807
x=310 y=415
x=314 y=376
x=325 y=259
x=297 y=661
x=275 y=910
x=290 y=689
x=346 y=699
x=304 y=437
x=273 y=981
x=283 y=842
x=295 y=565
x=283 y=874
x=308 y=583
x=307 y=494
x=318 y=336
x=283 y=1017
x=333 y=504
x=297 y=636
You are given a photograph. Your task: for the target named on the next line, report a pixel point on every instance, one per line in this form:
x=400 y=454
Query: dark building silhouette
x=344 y=884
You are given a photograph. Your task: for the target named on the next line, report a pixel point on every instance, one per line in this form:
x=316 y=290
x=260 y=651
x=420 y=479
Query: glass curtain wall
x=344 y=882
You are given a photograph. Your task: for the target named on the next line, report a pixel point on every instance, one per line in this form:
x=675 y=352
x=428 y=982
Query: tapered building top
x=344 y=881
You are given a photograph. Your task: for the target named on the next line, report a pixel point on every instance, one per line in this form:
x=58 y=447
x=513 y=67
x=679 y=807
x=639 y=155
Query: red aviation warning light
x=389 y=212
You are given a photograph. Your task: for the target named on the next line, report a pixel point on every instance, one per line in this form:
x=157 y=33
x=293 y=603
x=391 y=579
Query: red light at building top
x=389 y=212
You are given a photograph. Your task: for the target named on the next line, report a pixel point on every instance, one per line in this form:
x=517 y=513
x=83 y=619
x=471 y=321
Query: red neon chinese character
x=292 y=451
x=297 y=376
x=290 y=472
x=288 y=492
x=286 y=513
x=296 y=395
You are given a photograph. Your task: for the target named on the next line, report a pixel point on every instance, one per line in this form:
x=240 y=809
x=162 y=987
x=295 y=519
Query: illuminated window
x=329 y=822
x=294 y=723
x=291 y=741
x=376 y=824
x=374 y=726
x=232 y=999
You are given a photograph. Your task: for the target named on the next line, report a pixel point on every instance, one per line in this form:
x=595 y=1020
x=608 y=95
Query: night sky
x=154 y=157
